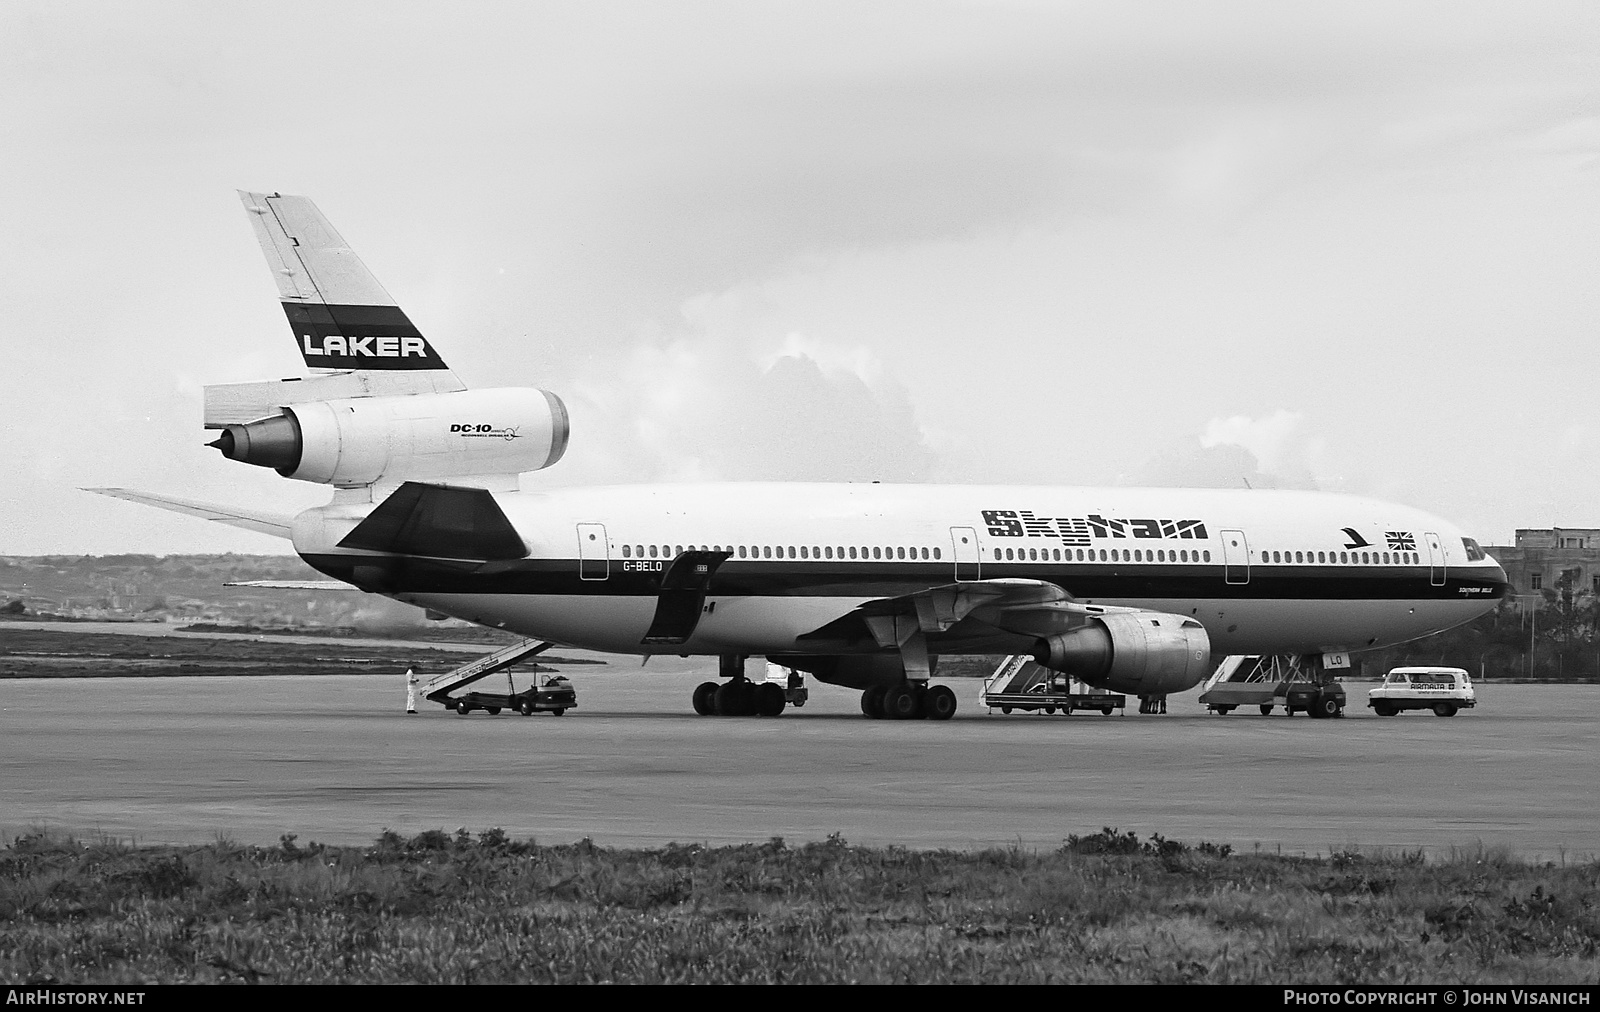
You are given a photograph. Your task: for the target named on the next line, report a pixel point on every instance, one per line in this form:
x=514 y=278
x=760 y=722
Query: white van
x=1442 y=690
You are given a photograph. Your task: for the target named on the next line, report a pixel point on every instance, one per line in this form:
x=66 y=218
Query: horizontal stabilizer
x=260 y=521
x=240 y=403
x=294 y=585
x=439 y=522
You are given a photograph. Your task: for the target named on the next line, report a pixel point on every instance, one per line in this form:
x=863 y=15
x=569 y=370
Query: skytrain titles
x=1078 y=531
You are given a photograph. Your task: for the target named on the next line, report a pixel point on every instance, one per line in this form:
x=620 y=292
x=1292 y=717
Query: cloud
x=1279 y=441
x=724 y=398
x=1187 y=464
x=1071 y=233
x=1235 y=452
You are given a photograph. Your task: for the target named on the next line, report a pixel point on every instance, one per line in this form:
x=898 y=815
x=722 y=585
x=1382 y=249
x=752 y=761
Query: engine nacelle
x=1143 y=653
x=361 y=440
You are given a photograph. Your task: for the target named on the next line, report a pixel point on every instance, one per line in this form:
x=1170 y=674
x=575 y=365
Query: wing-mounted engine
x=356 y=441
x=1138 y=652
x=1123 y=649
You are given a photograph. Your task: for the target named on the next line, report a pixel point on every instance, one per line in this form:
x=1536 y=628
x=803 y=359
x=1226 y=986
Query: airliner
x=861 y=585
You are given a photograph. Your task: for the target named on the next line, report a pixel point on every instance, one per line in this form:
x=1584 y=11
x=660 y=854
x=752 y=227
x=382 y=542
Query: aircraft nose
x=1502 y=586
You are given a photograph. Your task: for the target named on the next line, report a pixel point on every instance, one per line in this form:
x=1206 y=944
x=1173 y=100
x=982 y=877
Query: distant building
x=1542 y=557
x=1558 y=537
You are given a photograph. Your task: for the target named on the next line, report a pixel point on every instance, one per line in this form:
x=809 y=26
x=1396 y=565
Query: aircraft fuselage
x=1263 y=571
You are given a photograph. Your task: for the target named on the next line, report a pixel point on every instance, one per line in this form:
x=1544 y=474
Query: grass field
x=1106 y=908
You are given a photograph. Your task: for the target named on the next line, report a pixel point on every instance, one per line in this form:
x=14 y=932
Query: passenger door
x=1436 y=566
x=1235 y=558
x=594 y=553
x=964 y=546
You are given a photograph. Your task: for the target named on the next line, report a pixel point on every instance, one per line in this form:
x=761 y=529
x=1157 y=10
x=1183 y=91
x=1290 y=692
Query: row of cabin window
x=1184 y=555
x=771 y=552
x=1346 y=558
x=1106 y=555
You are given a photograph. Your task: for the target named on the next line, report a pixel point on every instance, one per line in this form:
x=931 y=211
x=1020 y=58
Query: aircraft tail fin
x=342 y=318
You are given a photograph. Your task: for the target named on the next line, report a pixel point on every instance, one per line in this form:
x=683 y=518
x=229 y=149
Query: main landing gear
x=738 y=696
x=909 y=701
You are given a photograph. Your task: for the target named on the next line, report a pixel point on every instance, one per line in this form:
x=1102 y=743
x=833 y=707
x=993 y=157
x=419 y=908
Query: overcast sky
x=1343 y=246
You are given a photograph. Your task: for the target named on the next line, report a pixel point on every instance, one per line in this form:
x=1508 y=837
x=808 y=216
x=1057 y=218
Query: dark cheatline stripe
x=357 y=330
x=746 y=578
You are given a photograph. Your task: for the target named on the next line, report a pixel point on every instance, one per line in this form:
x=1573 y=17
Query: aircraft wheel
x=902 y=702
x=732 y=699
x=940 y=703
x=769 y=700
x=705 y=699
x=1443 y=710
x=872 y=701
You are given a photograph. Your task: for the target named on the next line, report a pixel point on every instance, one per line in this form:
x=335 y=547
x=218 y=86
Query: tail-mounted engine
x=1140 y=652
x=355 y=441
x=380 y=404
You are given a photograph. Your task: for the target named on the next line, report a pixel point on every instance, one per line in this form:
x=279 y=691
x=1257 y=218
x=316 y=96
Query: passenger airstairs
x=439 y=688
x=1021 y=683
x=1293 y=681
x=1226 y=670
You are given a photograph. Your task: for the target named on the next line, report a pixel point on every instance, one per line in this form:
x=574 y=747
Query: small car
x=1442 y=690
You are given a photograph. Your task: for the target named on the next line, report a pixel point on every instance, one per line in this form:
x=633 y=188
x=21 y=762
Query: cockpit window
x=1474 y=553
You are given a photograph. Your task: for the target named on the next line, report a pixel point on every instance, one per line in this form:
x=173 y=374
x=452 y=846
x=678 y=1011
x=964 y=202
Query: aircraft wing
x=260 y=521
x=1031 y=607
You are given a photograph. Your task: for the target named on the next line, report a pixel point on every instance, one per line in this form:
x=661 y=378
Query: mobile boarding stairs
x=552 y=693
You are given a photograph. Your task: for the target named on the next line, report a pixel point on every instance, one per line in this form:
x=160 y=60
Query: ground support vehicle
x=551 y=692
x=554 y=695
x=1442 y=690
x=1297 y=683
x=1020 y=683
x=791 y=681
x=1324 y=698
